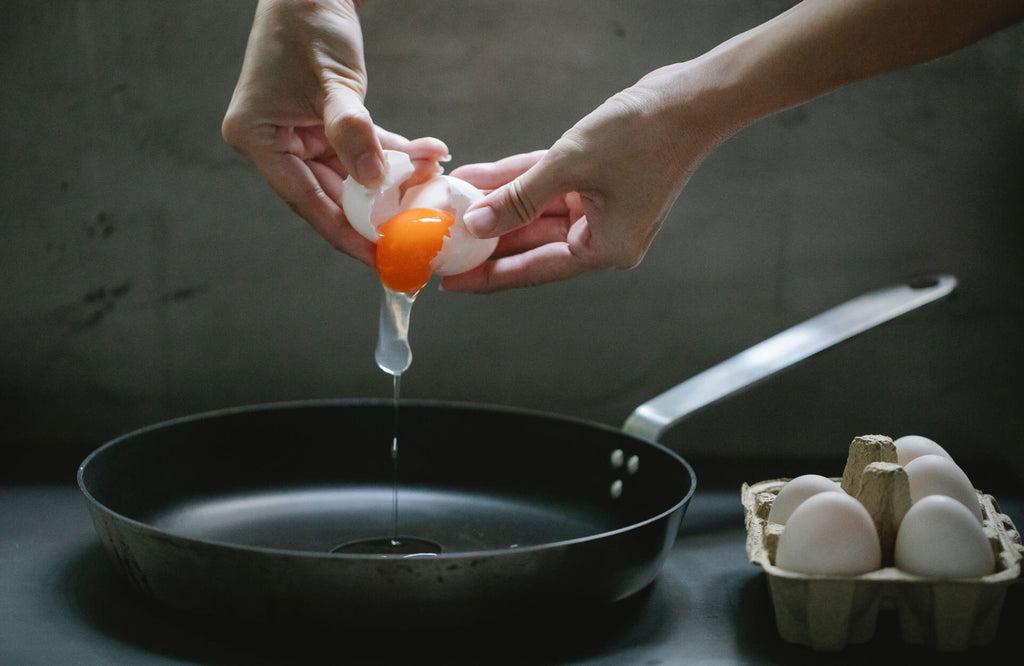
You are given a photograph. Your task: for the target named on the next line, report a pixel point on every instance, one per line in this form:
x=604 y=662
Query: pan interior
x=319 y=519
x=310 y=476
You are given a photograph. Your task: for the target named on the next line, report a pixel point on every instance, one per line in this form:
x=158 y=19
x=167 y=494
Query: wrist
x=699 y=105
x=740 y=82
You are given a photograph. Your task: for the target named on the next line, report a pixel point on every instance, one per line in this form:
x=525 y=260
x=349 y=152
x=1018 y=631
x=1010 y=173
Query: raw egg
x=406 y=245
x=416 y=224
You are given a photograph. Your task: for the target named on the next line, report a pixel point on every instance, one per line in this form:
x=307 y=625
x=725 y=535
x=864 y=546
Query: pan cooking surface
x=319 y=519
x=310 y=477
x=238 y=513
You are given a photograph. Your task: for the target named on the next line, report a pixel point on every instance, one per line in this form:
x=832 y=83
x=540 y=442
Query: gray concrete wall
x=148 y=272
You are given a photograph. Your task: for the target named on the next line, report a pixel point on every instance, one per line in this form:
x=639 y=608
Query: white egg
x=933 y=474
x=909 y=447
x=940 y=538
x=829 y=534
x=368 y=208
x=795 y=491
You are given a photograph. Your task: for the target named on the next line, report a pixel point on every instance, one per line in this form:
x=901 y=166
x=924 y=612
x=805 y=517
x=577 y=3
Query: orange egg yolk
x=406 y=244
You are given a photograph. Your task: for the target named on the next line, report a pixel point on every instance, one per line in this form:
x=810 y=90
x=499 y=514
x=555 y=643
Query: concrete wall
x=148 y=272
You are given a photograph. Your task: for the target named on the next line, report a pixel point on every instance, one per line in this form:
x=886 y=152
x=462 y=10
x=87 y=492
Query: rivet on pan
x=633 y=464
x=617 y=458
x=616 y=489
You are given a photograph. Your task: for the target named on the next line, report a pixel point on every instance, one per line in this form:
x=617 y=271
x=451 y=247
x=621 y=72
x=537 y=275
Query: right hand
x=598 y=196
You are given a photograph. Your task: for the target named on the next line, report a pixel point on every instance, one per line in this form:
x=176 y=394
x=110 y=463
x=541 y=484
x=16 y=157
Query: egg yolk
x=406 y=244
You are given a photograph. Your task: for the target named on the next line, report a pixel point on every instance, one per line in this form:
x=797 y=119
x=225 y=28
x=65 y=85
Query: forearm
x=820 y=45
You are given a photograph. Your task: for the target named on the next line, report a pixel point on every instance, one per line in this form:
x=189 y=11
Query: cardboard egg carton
x=831 y=612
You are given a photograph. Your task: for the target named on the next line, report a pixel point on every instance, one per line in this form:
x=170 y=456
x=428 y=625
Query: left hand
x=297 y=113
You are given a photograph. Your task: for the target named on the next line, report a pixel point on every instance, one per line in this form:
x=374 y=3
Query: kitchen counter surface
x=62 y=603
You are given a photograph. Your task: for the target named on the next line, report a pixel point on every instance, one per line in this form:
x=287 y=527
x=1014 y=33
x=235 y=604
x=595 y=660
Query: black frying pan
x=242 y=512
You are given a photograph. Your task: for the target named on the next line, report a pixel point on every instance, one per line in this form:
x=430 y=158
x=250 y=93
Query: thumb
x=351 y=133
x=517 y=203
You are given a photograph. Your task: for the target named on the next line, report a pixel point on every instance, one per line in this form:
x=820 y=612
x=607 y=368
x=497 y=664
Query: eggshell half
x=933 y=474
x=940 y=538
x=367 y=208
x=829 y=534
x=795 y=492
x=460 y=251
x=909 y=447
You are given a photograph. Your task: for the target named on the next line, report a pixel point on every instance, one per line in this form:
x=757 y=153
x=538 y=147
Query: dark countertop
x=62 y=603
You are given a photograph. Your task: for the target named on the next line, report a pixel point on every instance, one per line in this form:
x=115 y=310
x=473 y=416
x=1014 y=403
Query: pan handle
x=651 y=419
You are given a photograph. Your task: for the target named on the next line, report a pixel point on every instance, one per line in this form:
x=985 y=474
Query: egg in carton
x=946 y=590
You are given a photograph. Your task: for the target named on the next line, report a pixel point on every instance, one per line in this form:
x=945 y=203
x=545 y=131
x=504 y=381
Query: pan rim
x=361 y=557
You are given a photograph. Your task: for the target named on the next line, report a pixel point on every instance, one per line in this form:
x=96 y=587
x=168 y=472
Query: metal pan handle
x=651 y=419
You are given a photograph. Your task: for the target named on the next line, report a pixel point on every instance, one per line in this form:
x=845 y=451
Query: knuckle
x=346 y=123
x=630 y=102
x=519 y=200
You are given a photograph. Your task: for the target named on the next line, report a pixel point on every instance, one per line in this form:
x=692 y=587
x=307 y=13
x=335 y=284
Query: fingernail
x=369 y=169
x=481 y=221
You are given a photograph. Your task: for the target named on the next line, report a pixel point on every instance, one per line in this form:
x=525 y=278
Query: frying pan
x=240 y=513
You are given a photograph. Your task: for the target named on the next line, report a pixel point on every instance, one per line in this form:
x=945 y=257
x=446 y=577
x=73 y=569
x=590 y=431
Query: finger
x=543 y=230
x=351 y=133
x=426 y=153
x=296 y=182
x=492 y=175
x=422 y=148
x=390 y=140
x=335 y=228
x=329 y=179
x=548 y=263
x=519 y=202
x=489 y=176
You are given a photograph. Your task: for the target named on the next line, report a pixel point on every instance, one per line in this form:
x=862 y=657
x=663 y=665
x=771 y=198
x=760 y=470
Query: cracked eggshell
x=460 y=251
x=933 y=474
x=367 y=208
x=940 y=538
x=829 y=534
x=795 y=491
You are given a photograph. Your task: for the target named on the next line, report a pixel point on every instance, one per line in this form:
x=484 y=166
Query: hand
x=597 y=198
x=297 y=112
x=550 y=226
x=619 y=170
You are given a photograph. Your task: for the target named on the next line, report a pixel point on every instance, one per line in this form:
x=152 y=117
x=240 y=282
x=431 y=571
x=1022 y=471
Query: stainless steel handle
x=651 y=419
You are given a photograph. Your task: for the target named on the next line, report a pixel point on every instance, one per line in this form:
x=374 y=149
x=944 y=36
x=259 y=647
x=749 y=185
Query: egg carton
x=829 y=612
